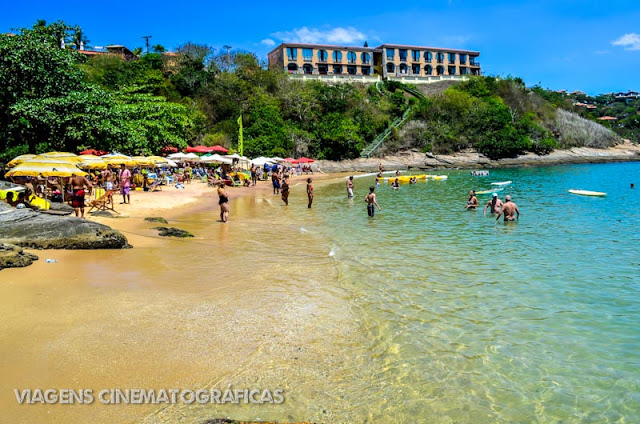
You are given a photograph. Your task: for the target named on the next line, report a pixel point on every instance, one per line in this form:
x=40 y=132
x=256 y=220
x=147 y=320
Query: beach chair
x=155 y=186
x=104 y=202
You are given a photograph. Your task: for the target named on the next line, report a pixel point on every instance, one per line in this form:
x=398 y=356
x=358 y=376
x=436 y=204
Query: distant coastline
x=471 y=159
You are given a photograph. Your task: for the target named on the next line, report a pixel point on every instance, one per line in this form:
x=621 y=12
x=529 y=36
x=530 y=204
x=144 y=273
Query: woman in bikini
x=223 y=202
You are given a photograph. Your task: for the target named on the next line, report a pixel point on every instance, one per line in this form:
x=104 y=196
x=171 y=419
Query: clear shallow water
x=469 y=320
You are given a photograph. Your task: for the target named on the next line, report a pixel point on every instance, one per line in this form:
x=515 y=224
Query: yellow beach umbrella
x=18 y=160
x=143 y=161
x=158 y=159
x=58 y=155
x=92 y=162
x=50 y=168
x=120 y=160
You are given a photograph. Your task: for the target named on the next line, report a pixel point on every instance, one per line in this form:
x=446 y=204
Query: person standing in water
x=350 y=186
x=284 y=190
x=370 y=200
x=223 y=202
x=472 y=203
x=395 y=184
x=495 y=204
x=309 y=192
x=509 y=209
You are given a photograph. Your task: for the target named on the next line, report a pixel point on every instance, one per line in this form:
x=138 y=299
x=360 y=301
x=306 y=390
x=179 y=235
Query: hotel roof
x=379 y=48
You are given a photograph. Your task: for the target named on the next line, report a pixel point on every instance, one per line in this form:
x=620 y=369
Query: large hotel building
x=414 y=64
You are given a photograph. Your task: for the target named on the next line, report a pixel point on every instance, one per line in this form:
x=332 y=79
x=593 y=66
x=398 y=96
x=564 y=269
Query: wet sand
x=246 y=303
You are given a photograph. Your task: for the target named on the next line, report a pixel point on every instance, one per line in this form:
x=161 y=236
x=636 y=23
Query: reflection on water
x=426 y=313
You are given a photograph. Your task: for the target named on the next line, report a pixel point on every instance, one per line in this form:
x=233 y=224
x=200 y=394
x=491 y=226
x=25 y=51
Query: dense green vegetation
x=54 y=98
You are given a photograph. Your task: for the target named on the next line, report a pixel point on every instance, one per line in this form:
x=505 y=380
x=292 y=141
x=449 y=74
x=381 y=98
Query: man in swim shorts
x=495 y=204
x=509 y=209
x=125 y=184
x=350 y=186
x=107 y=177
x=77 y=184
x=309 y=192
x=370 y=200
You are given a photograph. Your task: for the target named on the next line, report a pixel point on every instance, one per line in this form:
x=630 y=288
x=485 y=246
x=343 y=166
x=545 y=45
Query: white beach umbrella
x=170 y=164
x=179 y=155
x=191 y=157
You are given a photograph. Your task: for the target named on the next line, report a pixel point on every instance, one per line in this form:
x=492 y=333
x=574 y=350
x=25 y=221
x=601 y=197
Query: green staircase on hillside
x=396 y=123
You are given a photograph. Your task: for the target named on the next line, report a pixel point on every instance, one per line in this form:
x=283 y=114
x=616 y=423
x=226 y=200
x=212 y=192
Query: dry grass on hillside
x=575 y=131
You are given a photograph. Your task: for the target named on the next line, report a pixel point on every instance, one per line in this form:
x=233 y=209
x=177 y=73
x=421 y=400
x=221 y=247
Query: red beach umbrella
x=218 y=148
x=305 y=160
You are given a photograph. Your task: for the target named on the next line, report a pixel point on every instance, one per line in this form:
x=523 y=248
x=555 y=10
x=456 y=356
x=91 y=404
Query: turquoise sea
x=469 y=320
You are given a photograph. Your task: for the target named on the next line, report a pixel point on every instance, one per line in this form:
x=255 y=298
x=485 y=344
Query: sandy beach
x=173 y=312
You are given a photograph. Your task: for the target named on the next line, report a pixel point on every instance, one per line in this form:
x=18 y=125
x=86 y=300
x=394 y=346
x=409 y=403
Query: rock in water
x=156 y=219
x=172 y=232
x=26 y=228
x=14 y=257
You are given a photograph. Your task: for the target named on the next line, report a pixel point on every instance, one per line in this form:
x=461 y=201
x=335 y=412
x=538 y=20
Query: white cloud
x=268 y=42
x=339 y=35
x=629 y=41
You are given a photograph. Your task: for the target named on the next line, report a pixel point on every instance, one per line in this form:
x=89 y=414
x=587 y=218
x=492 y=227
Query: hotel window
x=415 y=69
x=322 y=55
x=428 y=70
x=464 y=71
x=337 y=69
x=452 y=57
x=292 y=68
x=452 y=70
x=463 y=59
x=428 y=56
x=415 y=55
x=323 y=69
x=351 y=57
x=365 y=57
x=351 y=70
x=307 y=55
x=440 y=70
x=292 y=53
x=366 y=70
x=404 y=69
x=337 y=57
x=403 y=55
x=440 y=57
x=307 y=69
x=390 y=67
x=391 y=53
x=472 y=60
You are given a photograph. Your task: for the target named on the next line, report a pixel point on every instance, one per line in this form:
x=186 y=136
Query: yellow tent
x=48 y=168
x=18 y=160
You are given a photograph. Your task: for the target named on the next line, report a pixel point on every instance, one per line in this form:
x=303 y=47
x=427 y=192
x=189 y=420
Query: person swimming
x=472 y=203
x=395 y=184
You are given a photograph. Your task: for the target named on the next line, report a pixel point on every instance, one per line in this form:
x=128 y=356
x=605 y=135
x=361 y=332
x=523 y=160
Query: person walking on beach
x=254 y=175
x=125 y=184
x=285 y=190
x=472 y=203
x=223 y=201
x=495 y=204
x=107 y=177
x=77 y=184
x=350 y=186
x=370 y=200
x=509 y=209
x=309 y=192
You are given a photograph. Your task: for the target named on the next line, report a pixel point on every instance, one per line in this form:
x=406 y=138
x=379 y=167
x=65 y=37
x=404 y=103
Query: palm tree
x=40 y=23
x=78 y=38
x=158 y=48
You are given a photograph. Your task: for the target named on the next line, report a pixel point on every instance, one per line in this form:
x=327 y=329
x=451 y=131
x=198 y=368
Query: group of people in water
x=508 y=208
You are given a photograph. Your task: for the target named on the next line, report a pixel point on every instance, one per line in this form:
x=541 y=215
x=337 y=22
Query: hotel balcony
x=474 y=63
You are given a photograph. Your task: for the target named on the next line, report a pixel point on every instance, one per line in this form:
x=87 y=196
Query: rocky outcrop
x=159 y=219
x=27 y=228
x=172 y=232
x=15 y=257
x=471 y=159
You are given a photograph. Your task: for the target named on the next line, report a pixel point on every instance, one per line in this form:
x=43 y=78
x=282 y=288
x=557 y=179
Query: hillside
x=54 y=98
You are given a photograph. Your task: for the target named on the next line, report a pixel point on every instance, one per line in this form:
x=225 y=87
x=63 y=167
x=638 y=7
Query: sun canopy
x=191 y=157
x=18 y=160
x=45 y=168
x=216 y=159
x=177 y=155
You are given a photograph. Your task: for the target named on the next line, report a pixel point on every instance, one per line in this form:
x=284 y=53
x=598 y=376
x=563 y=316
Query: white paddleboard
x=502 y=183
x=587 y=193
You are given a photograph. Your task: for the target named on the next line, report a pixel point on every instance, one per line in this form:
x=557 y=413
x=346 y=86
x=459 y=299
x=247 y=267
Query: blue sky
x=593 y=46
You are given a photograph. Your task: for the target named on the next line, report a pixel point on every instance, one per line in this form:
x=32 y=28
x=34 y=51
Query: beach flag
x=240 y=142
